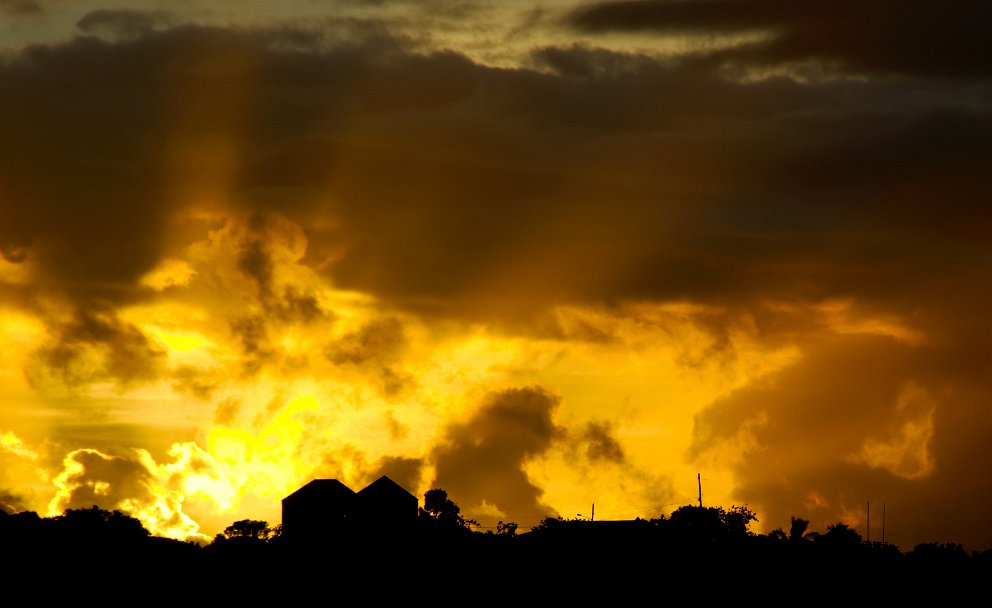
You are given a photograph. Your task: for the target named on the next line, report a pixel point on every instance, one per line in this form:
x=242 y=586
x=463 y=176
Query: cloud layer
x=336 y=248
x=919 y=37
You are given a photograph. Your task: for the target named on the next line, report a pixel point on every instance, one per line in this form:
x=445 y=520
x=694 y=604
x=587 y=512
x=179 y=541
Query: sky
x=540 y=255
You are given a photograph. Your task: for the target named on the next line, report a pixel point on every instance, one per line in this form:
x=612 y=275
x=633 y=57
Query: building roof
x=321 y=489
x=384 y=487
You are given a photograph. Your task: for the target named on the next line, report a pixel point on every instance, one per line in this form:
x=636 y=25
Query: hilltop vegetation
x=559 y=557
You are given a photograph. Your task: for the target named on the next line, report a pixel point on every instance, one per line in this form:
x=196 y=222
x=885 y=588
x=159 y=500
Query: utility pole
x=868 y=534
x=699 y=482
x=593 y=517
x=883 y=522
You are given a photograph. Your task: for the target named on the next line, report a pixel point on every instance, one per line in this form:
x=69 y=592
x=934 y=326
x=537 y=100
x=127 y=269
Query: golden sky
x=541 y=255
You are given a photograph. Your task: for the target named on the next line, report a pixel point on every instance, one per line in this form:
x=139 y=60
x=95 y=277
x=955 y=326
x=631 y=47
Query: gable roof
x=322 y=489
x=384 y=487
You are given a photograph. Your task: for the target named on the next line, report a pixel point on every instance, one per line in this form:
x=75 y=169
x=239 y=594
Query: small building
x=326 y=509
x=385 y=504
x=321 y=509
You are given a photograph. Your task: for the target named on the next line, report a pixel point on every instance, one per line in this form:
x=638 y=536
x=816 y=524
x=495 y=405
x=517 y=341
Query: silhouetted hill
x=696 y=552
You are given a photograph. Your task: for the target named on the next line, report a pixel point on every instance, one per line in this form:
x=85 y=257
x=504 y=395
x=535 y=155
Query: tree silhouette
x=93 y=523
x=251 y=528
x=938 y=555
x=507 y=529
x=442 y=512
x=797 y=529
x=710 y=524
x=840 y=535
x=738 y=520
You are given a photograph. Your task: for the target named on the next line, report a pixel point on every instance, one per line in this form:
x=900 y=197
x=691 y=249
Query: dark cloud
x=227 y=410
x=123 y=23
x=256 y=263
x=113 y=141
x=725 y=191
x=103 y=480
x=600 y=443
x=481 y=460
x=95 y=346
x=619 y=176
x=81 y=196
x=580 y=330
x=404 y=471
x=381 y=339
x=862 y=418
x=376 y=347
x=252 y=335
x=299 y=306
x=347 y=464
x=926 y=37
x=20 y=7
x=14 y=255
x=194 y=382
x=11 y=502
x=397 y=430
x=393 y=382
x=581 y=61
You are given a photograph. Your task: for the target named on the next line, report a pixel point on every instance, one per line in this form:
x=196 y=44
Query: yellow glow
x=248 y=438
x=906 y=451
x=264 y=461
x=843 y=317
x=9 y=442
x=70 y=468
x=634 y=375
x=18 y=331
x=170 y=272
x=286 y=426
x=16 y=274
x=181 y=343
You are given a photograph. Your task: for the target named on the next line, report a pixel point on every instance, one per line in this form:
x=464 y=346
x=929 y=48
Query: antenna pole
x=699 y=482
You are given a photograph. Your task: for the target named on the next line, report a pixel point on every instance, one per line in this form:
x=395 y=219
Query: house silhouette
x=326 y=509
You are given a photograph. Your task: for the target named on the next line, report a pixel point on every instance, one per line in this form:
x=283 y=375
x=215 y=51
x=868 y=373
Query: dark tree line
x=692 y=544
x=687 y=526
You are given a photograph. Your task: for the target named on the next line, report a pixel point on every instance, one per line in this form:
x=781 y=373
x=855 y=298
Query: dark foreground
x=578 y=562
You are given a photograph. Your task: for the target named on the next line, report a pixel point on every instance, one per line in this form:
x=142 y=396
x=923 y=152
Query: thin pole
x=593 y=518
x=883 y=522
x=699 y=482
x=869 y=522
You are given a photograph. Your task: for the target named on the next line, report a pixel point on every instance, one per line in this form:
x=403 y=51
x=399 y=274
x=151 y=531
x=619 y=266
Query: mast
x=699 y=482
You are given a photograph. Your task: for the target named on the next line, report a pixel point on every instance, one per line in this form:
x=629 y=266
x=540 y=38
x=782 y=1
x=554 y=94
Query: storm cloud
x=602 y=177
x=20 y=7
x=600 y=443
x=379 y=232
x=92 y=478
x=919 y=37
x=859 y=419
x=96 y=346
x=481 y=461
